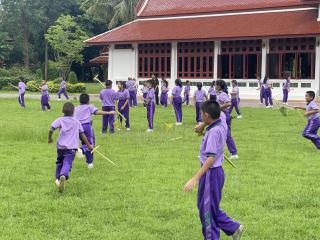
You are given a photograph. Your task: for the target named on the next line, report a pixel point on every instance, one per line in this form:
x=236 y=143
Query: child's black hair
x=222 y=84
x=151 y=82
x=213 y=83
x=108 y=83
x=123 y=84
x=187 y=81
x=199 y=86
x=84 y=98
x=235 y=82
x=68 y=109
x=212 y=108
x=265 y=79
x=178 y=82
x=165 y=82
x=21 y=79
x=311 y=94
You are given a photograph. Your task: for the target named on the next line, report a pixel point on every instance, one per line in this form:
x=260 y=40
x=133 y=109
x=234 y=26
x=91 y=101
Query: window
x=154 y=58
x=195 y=60
x=240 y=59
x=294 y=56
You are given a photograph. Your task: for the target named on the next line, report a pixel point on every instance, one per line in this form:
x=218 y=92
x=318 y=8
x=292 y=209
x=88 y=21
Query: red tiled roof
x=100 y=60
x=222 y=27
x=174 y=7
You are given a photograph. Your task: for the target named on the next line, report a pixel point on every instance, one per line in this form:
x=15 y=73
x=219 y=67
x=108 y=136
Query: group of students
x=265 y=87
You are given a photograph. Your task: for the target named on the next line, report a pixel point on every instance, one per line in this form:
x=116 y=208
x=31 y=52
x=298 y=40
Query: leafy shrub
x=53 y=70
x=5 y=83
x=34 y=85
x=72 y=78
x=4 y=73
x=39 y=74
x=57 y=80
x=18 y=71
x=76 y=88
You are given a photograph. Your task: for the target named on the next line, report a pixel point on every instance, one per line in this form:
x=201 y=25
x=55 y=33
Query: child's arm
x=300 y=108
x=50 y=140
x=125 y=104
x=195 y=179
x=105 y=113
x=200 y=128
x=225 y=106
x=85 y=140
x=309 y=113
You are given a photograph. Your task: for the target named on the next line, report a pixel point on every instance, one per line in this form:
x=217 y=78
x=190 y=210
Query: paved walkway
x=95 y=97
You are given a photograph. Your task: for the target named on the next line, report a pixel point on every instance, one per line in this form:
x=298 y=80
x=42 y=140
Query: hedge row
x=34 y=85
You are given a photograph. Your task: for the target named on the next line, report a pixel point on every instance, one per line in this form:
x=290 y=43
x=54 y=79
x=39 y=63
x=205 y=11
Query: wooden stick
x=13 y=86
x=95 y=150
x=96 y=79
x=174 y=139
x=117 y=107
x=229 y=161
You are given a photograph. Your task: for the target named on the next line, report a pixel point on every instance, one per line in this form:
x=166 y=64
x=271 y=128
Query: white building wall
x=174 y=64
x=317 y=67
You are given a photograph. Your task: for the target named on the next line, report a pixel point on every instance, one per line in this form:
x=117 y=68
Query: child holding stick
x=131 y=86
x=67 y=143
x=123 y=104
x=267 y=92
x=199 y=96
x=235 y=99
x=211 y=177
x=312 y=113
x=286 y=90
x=261 y=89
x=149 y=101
x=108 y=99
x=83 y=114
x=212 y=91
x=63 y=89
x=45 y=98
x=144 y=91
x=187 y=92
x=177 y=101
x=164 y=93
x=22 y=90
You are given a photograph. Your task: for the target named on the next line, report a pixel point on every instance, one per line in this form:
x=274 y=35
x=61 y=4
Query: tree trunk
x=46 y=62
x=25 y=39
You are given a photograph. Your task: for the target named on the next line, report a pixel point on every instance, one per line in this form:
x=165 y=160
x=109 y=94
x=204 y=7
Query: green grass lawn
x=274 y=192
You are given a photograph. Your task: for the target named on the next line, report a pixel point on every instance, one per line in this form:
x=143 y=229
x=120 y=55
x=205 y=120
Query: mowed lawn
x=274 y=192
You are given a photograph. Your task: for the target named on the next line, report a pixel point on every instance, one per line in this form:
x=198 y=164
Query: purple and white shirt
x=212 y=91
x=45 y=90
x=223 y=98
x=150 y=95
x=69 y=130
x=266 y=85
x=84 y=113
x=131 y=85
x=187 y=89
x=235 y=93
x=200 y=95
x=63 y=85
x=286 y=85
x=145 y=90
x=176 y=91
x=123 y=95
x=312 y=106
x=108 y=97
x=22 y=87
x=260 y=83
x=164 y=89
x=213 y=143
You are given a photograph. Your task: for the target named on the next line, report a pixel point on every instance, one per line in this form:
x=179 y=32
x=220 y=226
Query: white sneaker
x=62 y=184
x=149 y=130
x=238 y=233
x=239 y=117
x=90 y=165
x=233 y=157
x=128 y=129
x=179 y=123
x=57 y=182
x=271 y=106
x=119 y=129
x=268 y=106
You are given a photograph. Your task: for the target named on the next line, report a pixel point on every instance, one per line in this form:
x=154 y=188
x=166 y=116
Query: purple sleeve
x=127 y=95
x=115 y=96
x=56 y=124
x=93 y=109
x=225 y=98
x=314 y=106
x=80 y=128
x=100 y=96
x=174 y=90
x=211 y=148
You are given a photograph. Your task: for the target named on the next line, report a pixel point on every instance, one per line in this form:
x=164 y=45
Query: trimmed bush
x=4 y=83
x=39 y=74
x=34 y=85
x=72 y=78
x=4 y=73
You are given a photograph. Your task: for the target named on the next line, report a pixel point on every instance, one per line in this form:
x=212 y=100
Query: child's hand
x=190 y=185
x=90 y=147
x=113 y=113
x=50 y=140
x=122 y=108
x=199 y=128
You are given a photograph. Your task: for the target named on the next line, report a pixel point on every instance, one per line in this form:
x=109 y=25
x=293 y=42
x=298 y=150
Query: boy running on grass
x=312 y=113
x=67 y=143
x=211 y=177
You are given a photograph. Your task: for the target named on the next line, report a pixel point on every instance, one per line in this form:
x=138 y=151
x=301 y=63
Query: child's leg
x=180 y=112
x=135 y=103
x=198 y=114
x=111 y=120
x=59 y=163
x=175 y=107
x=153 y=109
x=187 y=99
x=231 y=107
x=237 y=107
x=127 y=116
x=59 y=93
x=230 y=143
x=65 y=94
x=165 y=100
x=266 y=98
x=311 y=132
x=104 y=121
x=22 y=100
x=149 y=116
x=88 y=131
x=68 y=157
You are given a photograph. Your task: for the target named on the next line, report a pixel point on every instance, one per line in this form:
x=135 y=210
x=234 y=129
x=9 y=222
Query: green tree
x=67 y=40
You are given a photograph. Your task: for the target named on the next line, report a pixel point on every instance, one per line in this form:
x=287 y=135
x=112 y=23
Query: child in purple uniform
x=144 y=91
x=211 y=177
x=164 y=93
x=286 y=90
x=260 y=87
x=123 y=104
x=84 y=113
x=63 y=89
x=131 y=86
x=235 y=99
x=212 y=91
x=312 y=113
x=199 y=96
x=187 y=92
x=177 y=101
x=108 y=98
x=267 y=92
x=45 y=96
x=22 y=90
x=67 y=143
x=149 y=101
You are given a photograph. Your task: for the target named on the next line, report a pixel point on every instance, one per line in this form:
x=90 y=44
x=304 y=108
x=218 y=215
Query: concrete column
x=265 y=51
x=317 y=67
x=135 y=60
x=110 y=63
x=174 y=63
x=318 y=13
x=217 y=50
